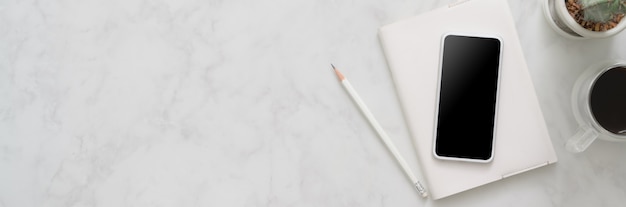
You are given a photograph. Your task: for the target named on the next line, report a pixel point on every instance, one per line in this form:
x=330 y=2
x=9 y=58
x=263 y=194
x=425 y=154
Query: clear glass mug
x=590 y=129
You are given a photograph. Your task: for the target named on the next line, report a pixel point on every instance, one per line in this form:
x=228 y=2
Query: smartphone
x=467 y=97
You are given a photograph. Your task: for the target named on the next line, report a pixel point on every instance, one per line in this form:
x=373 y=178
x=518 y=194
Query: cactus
x=602 y=11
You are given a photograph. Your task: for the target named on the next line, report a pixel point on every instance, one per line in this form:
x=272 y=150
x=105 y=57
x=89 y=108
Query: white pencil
x=381 y=133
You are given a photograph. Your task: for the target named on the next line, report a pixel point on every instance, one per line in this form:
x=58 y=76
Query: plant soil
x=575 y=10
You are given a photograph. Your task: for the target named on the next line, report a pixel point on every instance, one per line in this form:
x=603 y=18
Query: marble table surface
x=234 y=103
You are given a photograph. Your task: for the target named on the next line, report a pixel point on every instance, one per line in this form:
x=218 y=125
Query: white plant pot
x=562 y=22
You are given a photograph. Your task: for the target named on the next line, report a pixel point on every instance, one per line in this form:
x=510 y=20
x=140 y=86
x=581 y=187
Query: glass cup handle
x=581 y=140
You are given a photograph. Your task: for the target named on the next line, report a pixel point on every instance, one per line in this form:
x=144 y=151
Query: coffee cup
x=599 y=105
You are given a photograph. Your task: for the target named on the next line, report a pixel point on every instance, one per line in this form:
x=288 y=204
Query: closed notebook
x=412 y=49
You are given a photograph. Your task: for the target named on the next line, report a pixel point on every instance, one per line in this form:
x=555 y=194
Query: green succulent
x=602 y=10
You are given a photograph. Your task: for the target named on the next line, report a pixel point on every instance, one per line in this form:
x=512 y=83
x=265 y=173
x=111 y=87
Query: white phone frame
x=436 y=117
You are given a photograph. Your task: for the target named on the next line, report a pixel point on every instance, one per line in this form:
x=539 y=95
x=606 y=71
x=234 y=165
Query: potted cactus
x=584 y=19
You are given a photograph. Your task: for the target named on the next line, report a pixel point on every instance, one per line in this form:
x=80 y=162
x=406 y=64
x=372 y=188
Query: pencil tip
x=337 y=72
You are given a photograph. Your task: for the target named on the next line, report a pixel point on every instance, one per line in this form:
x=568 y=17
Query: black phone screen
x=467 y=97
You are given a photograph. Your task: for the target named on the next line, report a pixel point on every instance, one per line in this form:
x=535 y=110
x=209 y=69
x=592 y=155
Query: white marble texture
x=233 y=103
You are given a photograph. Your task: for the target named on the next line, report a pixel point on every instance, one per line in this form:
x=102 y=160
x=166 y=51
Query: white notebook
x=412 y=49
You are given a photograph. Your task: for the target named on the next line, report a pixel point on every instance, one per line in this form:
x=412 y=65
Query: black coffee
x=608 y=100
